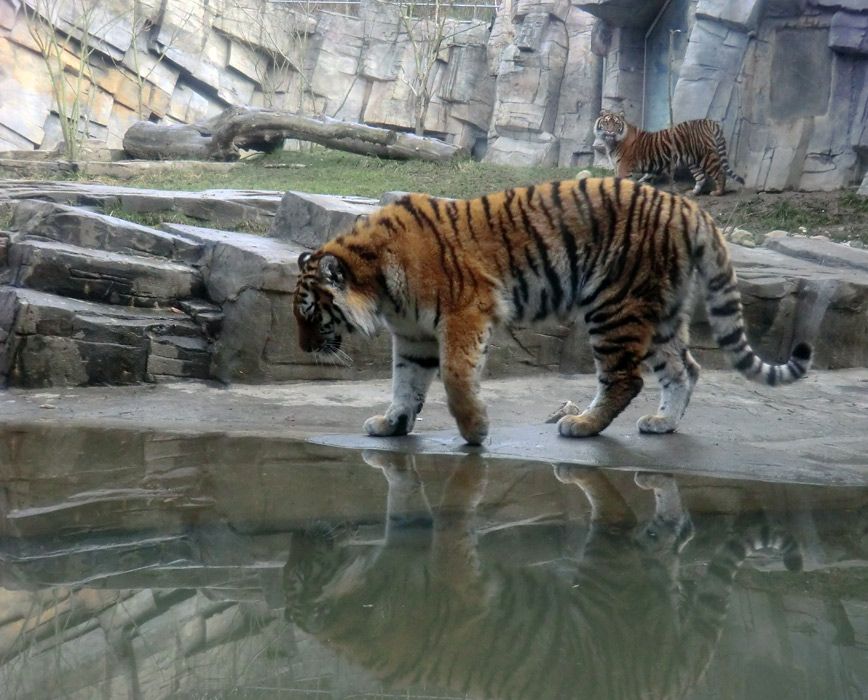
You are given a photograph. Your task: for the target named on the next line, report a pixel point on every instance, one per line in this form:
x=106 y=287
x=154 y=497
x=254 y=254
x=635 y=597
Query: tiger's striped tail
x=706 y=614
x=720 y=141
x=725 y=315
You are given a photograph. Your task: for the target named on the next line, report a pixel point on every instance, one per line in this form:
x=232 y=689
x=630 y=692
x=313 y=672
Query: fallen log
x=242 y=128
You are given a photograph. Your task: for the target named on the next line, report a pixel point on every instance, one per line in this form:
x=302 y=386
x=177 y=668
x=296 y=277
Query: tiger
x=426 y=607
x=698 y=143
x=442 y=274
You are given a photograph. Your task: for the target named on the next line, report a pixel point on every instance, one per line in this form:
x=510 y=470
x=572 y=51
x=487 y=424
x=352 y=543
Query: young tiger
x=699 y=144
x=441 y=274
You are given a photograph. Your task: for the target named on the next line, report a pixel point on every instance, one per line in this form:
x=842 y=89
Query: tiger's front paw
x=655 y=423
x=578 y=426
x=386 y=426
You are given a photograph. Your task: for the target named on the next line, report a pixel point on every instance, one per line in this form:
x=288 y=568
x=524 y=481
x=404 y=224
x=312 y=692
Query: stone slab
x=102 y=276
x=311 y=219
x=851 y=5
x=825 y=253
x=88 y=229
x=623 y=13
x=542 y=150
x=742 y=15
x=848 y=33
x=228 y=207
x=707 y=78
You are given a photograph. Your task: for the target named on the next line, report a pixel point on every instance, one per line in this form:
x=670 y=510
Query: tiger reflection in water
x=423 y=610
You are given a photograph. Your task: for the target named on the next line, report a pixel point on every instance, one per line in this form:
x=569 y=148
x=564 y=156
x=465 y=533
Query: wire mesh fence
x=484 y=10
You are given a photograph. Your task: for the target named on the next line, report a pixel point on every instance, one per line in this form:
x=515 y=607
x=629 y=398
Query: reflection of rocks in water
x=424 y=609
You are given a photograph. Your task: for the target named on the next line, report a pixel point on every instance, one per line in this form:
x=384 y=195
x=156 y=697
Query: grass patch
x=335 y=172
x=5 y=217
x=786 y=216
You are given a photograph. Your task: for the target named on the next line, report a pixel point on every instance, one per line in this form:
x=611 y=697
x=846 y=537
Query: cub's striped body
x=441 y=274
x=699 y=144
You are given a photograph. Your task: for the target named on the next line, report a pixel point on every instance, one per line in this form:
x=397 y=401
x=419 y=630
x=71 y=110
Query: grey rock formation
x=580 y=93
x=229 y=301
x=50 y=340
x=528 y=87
x=228 y=207
x=72 y=281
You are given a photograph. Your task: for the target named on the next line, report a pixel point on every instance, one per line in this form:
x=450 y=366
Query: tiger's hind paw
x=578 y=426
x=474 y=431
x=381 y=426
x=567 y=409
x=655 y=423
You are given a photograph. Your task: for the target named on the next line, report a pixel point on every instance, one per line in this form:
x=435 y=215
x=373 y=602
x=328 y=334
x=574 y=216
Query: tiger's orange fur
x=440 y=274
x=699 y=144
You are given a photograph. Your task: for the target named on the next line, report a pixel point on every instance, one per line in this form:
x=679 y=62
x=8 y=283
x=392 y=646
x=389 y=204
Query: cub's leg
x=619 y=380
x=719 y=179
x=677 y=372
x=698 y=175
x=414 y=363
x=462 y=351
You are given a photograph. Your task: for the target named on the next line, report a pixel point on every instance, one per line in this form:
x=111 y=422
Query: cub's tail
x=720 y=142
x=729 y=171
x=723 y=303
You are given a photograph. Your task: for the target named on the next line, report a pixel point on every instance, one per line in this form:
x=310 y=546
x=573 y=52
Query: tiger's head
x=611 y=127
x=321 y=323
x=326 y=306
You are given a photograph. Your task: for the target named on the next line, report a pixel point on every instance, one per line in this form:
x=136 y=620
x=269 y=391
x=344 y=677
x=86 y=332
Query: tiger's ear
x=303 y=258
x=622 y=114
x=331 y=271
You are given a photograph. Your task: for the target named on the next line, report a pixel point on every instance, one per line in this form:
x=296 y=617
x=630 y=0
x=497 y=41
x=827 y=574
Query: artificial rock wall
x=787 y=78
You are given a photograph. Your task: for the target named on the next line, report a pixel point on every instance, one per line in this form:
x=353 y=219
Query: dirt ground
x=841 y=215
